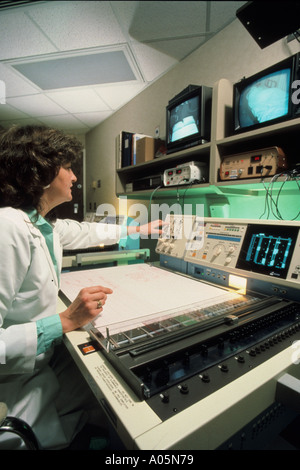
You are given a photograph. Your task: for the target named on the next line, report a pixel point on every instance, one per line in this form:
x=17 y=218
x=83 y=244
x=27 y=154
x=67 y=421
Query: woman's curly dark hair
x=30 y=158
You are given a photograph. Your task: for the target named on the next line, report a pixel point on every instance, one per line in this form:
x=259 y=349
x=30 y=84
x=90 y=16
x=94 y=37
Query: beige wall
x=231 y=54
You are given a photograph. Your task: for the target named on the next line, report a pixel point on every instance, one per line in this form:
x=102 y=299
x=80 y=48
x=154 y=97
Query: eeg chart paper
x=141 y=291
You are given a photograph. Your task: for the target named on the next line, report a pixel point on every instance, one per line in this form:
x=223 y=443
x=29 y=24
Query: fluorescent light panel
x=80 y=70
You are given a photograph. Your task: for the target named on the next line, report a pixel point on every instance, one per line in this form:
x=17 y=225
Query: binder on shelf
x=126 y=149
x=123 y=149
x=118 y=152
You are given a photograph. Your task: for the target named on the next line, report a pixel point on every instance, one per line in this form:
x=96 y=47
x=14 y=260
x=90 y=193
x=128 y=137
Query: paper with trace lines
x=140 y=290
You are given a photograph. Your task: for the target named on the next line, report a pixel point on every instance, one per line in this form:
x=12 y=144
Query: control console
x=263 y=252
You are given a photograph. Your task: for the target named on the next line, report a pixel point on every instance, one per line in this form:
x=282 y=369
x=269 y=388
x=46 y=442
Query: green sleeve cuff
x=49 y=329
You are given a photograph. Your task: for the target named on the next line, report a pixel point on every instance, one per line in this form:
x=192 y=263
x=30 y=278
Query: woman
x=35 y=177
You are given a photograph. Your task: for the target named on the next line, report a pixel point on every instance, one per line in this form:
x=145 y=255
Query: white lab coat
x=29 y=288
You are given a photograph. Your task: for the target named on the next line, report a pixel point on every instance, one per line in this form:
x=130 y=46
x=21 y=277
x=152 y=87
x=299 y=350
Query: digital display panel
x=268 y=250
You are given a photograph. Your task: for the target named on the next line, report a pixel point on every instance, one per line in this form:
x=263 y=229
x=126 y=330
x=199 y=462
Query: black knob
x=184 y=389
x=165 y=397
x=224 y=368
x=205 y=377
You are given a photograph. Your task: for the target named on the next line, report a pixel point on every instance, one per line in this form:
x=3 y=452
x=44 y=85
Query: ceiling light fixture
x=76 y=69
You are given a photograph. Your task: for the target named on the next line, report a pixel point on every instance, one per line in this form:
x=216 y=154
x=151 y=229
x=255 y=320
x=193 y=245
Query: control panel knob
x=224 y=368
x=184 y=389
x=205 y=377
x=165 y=397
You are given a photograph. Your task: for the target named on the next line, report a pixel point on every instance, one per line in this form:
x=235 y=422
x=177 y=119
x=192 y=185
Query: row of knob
x=184 y=389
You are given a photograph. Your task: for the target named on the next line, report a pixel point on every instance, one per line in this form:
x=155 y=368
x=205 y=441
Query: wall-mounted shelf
x=284 y=135
x=127 y=175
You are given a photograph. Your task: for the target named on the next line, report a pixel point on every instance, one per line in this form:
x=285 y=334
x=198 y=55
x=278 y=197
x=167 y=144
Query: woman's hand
x=147 y=229
x=87 y=306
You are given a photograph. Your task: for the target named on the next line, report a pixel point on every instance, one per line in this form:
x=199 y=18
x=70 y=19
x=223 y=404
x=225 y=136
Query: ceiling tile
x=117 y=95
x=79 y=100
x=92 y=119
x=15 y=85
x=178 y=48
x=65 y=23
x=158 y=20
x=124 y=13
x=36 y=105
x=20 y=37
x=153 y=63
x=222 y=13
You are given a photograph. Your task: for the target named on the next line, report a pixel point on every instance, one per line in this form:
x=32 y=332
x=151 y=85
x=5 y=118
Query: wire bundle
x=272 y=202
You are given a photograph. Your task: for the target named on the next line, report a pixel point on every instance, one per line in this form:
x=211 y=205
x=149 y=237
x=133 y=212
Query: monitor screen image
x=268 y=250
x=184 y=119
x=265 y=99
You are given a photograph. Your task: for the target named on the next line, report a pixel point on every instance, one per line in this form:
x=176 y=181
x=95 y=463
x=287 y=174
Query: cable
x=267 y=194
x=189 y=186
x=272 y=204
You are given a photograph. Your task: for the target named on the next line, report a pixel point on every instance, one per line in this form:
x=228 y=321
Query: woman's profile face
x=60 y=189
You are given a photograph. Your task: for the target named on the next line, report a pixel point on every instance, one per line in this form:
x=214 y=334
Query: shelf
x=285 y=127
x=256 y=186
x=169 y=192
x=233 y=188
x=126 y=175
x=284 y=135
x=183 y=156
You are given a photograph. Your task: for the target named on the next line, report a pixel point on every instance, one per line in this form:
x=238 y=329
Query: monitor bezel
x=204 y=95
x=278 y=231
x=291 y=63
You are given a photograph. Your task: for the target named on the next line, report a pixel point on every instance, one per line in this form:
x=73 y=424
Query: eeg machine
x=209 y=370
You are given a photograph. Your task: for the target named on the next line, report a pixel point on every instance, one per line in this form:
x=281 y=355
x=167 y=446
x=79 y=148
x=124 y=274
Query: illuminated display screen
x=184 y=119
x=268 y=250
x=265 y=99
